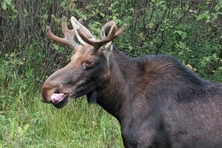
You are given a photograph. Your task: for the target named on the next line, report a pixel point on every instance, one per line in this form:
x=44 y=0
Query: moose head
x=89 y=65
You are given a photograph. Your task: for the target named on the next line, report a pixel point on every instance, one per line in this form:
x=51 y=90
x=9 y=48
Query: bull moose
x=158 y=101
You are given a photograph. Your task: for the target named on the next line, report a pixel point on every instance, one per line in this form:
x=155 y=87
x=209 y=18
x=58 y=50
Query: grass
x=27 y=122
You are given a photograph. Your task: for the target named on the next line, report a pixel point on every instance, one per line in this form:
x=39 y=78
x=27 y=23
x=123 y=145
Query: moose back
x=157 y=100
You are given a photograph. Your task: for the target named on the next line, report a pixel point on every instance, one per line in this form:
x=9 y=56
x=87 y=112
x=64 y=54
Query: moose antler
x=77 y=25
x=109 y=33
x=69 y=35
x=106 y=29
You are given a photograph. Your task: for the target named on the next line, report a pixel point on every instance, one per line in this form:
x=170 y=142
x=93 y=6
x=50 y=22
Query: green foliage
x=185 y=29
x=8 y=5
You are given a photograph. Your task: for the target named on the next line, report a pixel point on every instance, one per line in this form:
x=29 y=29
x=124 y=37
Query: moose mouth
x=60 y=100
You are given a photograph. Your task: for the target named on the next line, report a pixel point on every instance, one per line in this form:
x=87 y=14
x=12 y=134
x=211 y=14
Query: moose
x=158 y=101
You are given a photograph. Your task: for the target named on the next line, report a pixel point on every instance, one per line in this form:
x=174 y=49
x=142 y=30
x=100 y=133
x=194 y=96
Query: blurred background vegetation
x=189 y=30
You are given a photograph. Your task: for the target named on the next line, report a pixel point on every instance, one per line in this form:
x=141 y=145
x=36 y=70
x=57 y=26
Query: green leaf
x=63 y=4
x=26 y=13
x=4 y=6
x=55 y=46
x=45 y=16
x=9 y=2
x=178 y=31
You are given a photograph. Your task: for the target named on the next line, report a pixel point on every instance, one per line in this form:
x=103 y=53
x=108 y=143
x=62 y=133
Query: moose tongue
x=56 y=98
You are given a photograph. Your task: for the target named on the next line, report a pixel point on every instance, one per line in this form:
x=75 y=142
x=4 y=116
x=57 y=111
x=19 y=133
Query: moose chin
x=158 y=101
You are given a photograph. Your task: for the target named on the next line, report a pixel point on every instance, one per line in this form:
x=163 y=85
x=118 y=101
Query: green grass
x=31 y=123
x=26 y=122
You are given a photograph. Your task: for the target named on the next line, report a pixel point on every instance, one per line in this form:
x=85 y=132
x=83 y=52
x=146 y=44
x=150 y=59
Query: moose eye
x=88 y=64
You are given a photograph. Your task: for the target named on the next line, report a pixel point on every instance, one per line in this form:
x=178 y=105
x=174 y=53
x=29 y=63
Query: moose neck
x=113 y=94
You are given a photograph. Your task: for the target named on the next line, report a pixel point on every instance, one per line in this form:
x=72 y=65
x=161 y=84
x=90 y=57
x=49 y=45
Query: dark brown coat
x=158 y=101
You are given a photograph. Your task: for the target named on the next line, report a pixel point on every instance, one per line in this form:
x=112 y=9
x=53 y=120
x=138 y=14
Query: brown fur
x=157 y=100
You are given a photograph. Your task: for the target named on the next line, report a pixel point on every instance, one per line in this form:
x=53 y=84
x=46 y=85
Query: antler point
x=48 y=29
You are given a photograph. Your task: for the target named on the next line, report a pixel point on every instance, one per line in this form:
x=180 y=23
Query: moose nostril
x=57 y=91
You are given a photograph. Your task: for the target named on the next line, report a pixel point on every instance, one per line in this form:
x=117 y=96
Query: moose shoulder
x=156 y=99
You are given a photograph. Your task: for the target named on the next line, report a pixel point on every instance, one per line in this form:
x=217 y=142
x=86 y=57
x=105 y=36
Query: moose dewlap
x=157 y=100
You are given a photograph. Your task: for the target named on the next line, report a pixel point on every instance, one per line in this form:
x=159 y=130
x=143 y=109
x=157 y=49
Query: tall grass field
x=26 y=122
